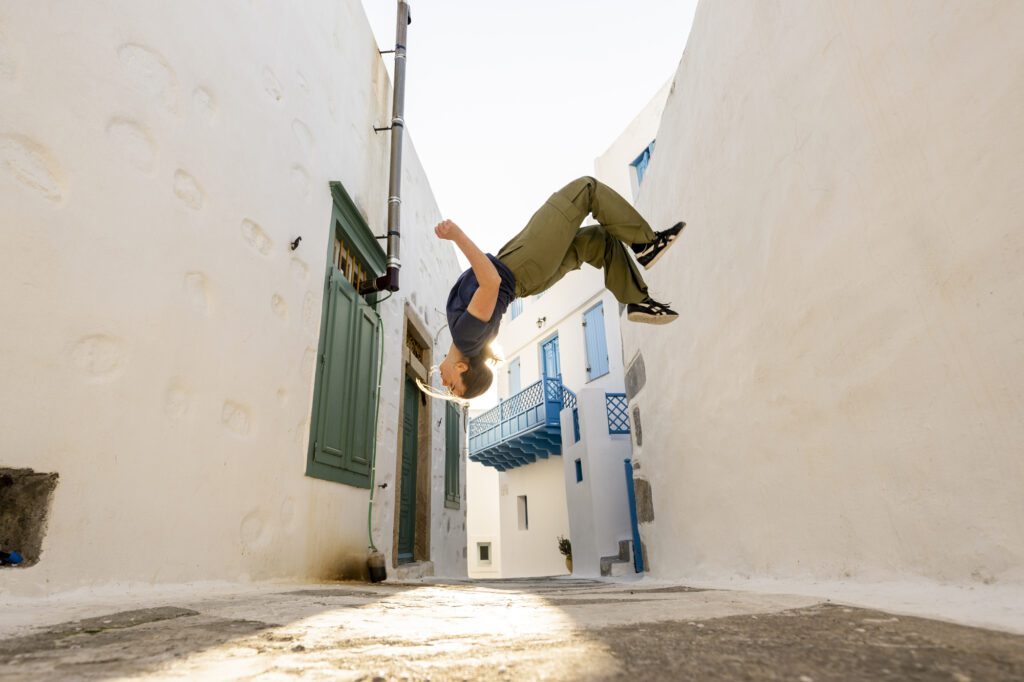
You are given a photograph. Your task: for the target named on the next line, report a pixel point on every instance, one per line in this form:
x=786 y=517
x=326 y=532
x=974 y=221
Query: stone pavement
x=556 y=629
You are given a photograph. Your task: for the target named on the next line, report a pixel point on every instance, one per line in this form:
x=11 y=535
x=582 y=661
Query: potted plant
x=565 y=547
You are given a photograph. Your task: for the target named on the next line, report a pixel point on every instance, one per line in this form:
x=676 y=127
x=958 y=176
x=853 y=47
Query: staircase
x=620 y=564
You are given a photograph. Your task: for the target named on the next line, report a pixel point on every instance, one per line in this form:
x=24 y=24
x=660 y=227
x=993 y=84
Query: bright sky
x=508 y=101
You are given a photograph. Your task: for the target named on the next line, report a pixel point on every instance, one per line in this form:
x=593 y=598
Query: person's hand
x=446 y=229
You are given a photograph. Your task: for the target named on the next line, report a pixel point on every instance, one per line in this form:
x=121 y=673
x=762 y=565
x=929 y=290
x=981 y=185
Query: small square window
x=524 y=514
x=579 y=471
x=483 y=553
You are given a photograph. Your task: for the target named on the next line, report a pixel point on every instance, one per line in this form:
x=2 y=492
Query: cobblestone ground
x=556 y=629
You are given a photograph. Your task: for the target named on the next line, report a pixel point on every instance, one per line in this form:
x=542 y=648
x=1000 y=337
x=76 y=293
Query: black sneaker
x=649 y=253
x=651 y=312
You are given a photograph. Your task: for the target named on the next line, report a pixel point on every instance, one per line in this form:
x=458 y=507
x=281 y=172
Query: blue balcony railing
x=523 y=427
x=617 y=409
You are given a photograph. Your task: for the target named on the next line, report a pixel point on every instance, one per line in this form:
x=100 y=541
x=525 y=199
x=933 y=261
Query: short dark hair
x=478 y=377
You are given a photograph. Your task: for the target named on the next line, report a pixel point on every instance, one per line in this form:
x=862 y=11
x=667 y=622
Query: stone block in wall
x=644 y=500
x=635 y=426
x=636 y=376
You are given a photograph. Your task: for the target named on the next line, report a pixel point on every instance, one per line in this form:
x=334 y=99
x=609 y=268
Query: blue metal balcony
x=522 y=428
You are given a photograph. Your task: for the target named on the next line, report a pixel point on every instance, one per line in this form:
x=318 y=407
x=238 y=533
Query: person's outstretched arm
x=482 y=305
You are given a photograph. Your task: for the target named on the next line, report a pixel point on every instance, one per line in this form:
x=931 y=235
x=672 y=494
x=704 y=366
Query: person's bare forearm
x=486 y=274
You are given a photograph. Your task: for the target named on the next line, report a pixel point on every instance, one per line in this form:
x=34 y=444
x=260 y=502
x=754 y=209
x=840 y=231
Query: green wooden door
x=346 y=387
x=407 y=498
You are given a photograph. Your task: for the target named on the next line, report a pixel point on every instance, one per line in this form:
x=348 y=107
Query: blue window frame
x=514 y=379
x=641 y=162
x=551 y=365
x=597 y=345
x=516 y=308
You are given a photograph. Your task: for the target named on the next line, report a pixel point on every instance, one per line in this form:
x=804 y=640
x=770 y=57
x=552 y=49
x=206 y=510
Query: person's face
x=451 y=369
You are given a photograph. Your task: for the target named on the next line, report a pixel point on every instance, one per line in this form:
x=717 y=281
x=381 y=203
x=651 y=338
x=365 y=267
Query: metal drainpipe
x=389 y=280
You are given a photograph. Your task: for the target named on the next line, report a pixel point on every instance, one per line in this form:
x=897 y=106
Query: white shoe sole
x=658 y=256
x=647 y=318
x=661 y=253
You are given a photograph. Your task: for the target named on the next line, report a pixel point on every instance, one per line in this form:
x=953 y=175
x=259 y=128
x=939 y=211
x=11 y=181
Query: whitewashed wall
x=483 y=520
x=841 y=396
x=598 y=506
x=534 y=551
x=159 y=335
x=613 y=166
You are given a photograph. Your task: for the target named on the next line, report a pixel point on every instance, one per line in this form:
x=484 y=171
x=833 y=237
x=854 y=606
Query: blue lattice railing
x=538 y=404
x=618 y=412
x=568 y=398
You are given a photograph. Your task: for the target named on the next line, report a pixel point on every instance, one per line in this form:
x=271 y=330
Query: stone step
x=622 y=568
x=413 y=571
x=618 y=564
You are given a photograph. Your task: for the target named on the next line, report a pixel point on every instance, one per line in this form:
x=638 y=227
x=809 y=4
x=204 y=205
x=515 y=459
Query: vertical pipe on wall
x=389 y=280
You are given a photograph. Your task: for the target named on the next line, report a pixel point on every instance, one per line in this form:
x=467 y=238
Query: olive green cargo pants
x=552 y=243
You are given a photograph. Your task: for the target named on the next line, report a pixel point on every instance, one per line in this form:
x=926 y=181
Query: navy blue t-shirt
x=469 y=334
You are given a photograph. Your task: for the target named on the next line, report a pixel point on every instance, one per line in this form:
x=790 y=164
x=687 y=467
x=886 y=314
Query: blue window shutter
x=597 y=345
x=514 y=384
x=516 y=308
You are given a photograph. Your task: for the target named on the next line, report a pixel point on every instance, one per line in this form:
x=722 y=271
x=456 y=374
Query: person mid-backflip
x=551 y=245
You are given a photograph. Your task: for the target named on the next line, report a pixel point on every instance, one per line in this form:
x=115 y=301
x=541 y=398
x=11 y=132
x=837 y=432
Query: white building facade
x=519 y=512
x=579 y=489
x=191 y=194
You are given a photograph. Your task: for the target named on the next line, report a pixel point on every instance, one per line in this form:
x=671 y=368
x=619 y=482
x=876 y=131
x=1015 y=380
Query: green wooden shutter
x=407 y=494
x=452 y=491
x=364 y=377
x=344 y=431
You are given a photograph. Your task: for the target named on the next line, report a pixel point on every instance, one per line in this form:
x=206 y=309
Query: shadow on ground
x=557 y=629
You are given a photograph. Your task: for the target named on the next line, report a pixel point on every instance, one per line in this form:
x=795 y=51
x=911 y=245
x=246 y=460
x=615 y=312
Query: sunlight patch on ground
x=425 y=631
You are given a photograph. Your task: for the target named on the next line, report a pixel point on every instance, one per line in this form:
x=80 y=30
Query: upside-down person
x=551 y=245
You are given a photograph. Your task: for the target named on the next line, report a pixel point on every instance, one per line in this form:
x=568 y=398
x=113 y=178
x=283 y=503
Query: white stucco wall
x=159 y=335
x=613 y=166
x=598 y=506
x=841 y=396
x=483 y=520
x=534 y=551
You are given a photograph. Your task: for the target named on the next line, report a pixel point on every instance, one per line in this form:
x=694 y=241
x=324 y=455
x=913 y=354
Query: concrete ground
x=556 y=629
